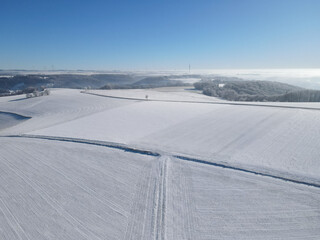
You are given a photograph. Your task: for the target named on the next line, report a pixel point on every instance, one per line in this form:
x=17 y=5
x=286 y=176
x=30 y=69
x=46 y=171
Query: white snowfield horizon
x=121 y=176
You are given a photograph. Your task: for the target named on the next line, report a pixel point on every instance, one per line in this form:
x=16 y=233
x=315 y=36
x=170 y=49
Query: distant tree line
x=21 y=84
x=260 y=91
x=6 y=92
x=29 y=91
x=148 y=82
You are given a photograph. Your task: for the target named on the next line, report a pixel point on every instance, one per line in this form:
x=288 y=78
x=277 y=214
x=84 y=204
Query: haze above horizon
x=144 y=35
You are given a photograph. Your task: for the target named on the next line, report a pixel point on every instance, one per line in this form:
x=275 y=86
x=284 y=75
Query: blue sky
x=148 y=34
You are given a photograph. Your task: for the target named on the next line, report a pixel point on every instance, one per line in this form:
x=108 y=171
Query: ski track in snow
x=160 y=200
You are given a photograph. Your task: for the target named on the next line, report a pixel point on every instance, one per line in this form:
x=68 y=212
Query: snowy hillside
x=111 y=164
x=276 y=138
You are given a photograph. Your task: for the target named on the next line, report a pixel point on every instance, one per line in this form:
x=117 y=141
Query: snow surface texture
x=79 y=191
x=179 y=94
x=131 y=186
x=60 y=106
x=166 y=94
x=281 y=139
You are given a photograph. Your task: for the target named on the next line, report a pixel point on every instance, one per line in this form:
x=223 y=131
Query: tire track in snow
x=180 y=207
x=160 y=204
x=12 y=221
x=136 y=222
x=189 y=203
x=148 y=212
x=81 y=228
x=112 y=205
x=100 y=217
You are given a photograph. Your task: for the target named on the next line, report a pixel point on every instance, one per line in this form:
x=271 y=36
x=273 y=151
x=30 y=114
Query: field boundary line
x=127 y=148
x=207 y=102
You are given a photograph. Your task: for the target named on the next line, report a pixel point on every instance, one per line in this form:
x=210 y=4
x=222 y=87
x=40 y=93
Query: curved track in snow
x=124 y=147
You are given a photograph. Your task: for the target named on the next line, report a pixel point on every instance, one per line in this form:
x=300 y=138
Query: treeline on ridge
x=20 y=84
x=260 y=91
x=147 y=82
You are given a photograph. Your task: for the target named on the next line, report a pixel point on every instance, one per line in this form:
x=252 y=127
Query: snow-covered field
x=177 y=166
x=270 y=139
x=61 y=106
x=163 y=94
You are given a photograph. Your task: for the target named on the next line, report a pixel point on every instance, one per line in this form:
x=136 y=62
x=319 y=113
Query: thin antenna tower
x=189 y=68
